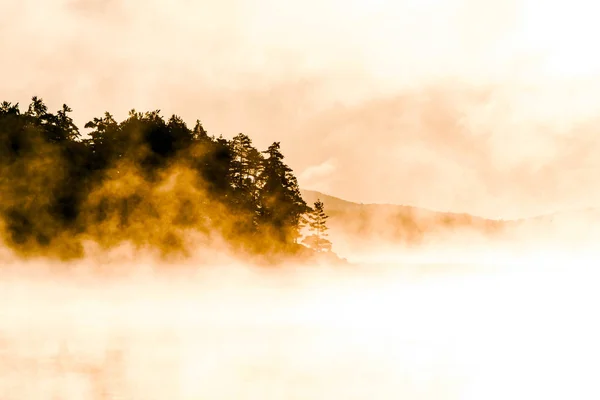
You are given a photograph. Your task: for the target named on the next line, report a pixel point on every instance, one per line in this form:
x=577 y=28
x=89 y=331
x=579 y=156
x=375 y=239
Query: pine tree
x=281 y=204
x=244 y=170
x=317 y=223
x=245 y=167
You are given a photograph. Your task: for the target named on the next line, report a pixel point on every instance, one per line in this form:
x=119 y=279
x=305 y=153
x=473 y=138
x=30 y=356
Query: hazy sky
x=488 y=107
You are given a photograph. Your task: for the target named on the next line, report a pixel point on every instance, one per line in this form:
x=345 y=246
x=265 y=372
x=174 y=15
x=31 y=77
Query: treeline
x=145 y=180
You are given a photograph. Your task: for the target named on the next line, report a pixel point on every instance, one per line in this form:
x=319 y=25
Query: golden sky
x=487 y=107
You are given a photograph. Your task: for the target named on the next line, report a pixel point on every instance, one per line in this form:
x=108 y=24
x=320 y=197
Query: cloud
x=318 y=177
x=449 y=104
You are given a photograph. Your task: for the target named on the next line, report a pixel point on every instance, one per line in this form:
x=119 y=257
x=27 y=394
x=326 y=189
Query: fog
x=465 y=106
x=385 y=330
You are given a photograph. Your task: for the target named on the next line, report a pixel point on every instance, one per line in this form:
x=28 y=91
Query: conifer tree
x=281 y=204
x=317 y=223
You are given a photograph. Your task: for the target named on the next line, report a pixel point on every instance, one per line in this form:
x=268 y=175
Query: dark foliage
x=143 y=180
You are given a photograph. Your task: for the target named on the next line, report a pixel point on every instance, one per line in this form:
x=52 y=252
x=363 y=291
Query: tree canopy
x=145 y=180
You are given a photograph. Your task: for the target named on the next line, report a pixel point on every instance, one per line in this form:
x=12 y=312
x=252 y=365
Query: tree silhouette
x=59 y=188
x=317 y=223
x=245 y=169
x=280 y=203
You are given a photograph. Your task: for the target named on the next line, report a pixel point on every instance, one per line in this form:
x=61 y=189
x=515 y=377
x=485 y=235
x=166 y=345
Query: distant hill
x=396 y=223
x=355 y=224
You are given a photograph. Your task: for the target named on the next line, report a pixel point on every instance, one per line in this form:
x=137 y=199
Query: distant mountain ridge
x=310 y=196
x=395 y=223
x=398 y=224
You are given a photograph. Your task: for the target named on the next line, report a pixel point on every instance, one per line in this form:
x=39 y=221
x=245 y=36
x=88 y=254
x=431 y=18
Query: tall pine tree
x=281 y=204
x=317 y=223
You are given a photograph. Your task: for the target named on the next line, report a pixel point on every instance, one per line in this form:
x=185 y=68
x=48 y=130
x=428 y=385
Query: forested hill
x=389 y=223
x=354 y=225
x=144 y=180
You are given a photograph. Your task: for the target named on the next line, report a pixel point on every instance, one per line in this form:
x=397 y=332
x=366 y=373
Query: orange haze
x=481 y=107
x=485 y=107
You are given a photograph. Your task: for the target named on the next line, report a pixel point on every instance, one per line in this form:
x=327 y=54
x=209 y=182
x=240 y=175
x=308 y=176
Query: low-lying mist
x=384 y=328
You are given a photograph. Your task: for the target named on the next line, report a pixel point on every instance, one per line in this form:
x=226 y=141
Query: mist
x=235 y=332
x=437 y=91
x=486 y=108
